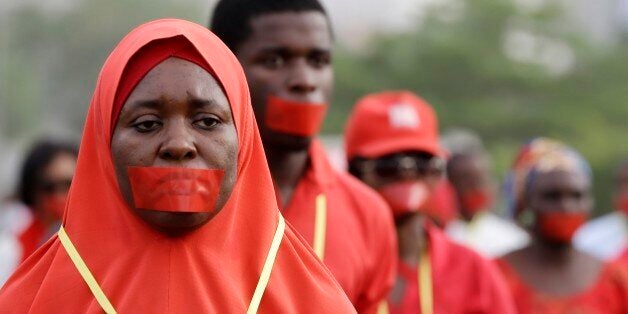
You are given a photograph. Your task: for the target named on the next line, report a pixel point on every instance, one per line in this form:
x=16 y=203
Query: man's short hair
x=231 y=20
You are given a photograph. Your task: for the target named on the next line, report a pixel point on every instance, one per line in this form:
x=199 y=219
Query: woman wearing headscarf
x=172 y=207
x=550 y=193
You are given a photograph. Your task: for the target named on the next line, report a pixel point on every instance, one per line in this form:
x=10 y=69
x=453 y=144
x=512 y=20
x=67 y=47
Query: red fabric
x=31 y=238
x=462 y=281
x=296 y=118
x=360 y=247
x=608 y=295
x=213 y=269
x=391 y=122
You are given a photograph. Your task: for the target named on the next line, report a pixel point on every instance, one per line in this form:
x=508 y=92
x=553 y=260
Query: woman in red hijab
x=172 y=207
x=550 y=192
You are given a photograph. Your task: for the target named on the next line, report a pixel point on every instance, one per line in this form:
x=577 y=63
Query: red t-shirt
x=609 y=294
x=360 y=242
x=462 y=281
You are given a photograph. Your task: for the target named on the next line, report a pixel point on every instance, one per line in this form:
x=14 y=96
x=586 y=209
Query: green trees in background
x=507 y=73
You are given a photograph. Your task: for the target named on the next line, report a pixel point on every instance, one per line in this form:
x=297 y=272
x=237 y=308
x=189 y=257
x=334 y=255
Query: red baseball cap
x=391 y=122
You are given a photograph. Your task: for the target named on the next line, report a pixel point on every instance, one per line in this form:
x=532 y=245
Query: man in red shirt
x=285 y=48
x=392 y=145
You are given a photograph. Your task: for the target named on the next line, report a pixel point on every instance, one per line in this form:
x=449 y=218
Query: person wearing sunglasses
x=36 y=210
x=392 y=145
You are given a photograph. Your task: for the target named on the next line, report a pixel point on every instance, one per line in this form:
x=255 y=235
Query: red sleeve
x=382 y=260
x=498 y=292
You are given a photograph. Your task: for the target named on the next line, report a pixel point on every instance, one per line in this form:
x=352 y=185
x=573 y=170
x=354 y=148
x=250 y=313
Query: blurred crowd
x=417 y=222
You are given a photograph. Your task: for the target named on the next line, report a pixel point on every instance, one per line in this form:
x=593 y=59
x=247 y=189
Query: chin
x=172 y=223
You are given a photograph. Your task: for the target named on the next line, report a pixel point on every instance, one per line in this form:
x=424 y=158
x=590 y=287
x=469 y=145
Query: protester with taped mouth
x=550 y=194
x=172 y=207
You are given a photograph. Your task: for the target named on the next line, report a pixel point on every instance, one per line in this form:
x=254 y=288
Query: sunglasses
x=396 y=166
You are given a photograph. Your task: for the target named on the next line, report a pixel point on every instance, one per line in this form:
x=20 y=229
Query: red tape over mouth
x=175 y=189
x=295 y=118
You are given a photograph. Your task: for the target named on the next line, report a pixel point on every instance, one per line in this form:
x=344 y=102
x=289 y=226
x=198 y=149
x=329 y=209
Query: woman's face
x=566 y=191
x=177 y=116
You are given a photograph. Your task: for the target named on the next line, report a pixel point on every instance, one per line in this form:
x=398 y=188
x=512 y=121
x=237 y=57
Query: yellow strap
x=108 y=308
x=268 y=267
x=426 y=295
x=382 y=308
x=85 y=273
x=320 y=226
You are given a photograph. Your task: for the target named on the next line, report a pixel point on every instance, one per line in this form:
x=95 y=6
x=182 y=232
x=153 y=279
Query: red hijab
x=212 y=269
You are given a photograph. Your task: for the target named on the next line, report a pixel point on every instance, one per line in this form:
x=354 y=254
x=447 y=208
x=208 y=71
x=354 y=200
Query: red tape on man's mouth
x=175 y=189
x=295 y=118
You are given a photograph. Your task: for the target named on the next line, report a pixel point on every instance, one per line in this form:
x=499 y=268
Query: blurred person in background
x=33 y=215
x=468 y=171
x=392 y=145
x=172 y=208
x=550 y=193
x=607 y=236
x=285 y=48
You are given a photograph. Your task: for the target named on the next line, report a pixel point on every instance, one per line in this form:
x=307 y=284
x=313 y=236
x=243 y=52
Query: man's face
x=470 y=174
x=287 y=55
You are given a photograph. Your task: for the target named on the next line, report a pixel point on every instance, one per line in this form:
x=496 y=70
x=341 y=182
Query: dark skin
x=287 y=55
x=177 y=116
x=469 y=172
x=551 y=268
x=411 y=233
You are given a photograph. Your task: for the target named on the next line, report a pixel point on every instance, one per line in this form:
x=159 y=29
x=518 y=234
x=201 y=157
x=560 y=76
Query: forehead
x=560 y=179
x=295 y=30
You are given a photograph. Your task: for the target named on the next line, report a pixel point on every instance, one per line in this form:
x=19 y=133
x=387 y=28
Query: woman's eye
x=206 y=122
x=147 y=125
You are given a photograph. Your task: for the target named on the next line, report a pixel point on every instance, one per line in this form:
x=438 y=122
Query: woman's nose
x=179 y=143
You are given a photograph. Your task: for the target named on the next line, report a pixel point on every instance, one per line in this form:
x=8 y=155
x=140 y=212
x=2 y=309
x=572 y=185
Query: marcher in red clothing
x=285 y=47
x=172 y=208
x=34 y=213
x=392 y=145
x=550 y=193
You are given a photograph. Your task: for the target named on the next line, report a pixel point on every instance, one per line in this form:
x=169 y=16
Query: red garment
x=31 y=238
x=213 y=269
x=462 y=281
x=360 y=246
x=608 y=295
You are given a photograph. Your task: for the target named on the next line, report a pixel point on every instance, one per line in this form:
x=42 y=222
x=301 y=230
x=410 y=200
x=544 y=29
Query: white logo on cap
x=403 y=115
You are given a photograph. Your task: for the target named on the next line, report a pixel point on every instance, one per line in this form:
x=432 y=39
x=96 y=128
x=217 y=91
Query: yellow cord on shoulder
x=320 y=226
x=85 y=273
x=382 y=308
x=268 y=267
x=426 y=295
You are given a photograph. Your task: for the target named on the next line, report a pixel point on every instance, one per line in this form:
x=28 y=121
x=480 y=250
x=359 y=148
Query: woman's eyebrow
x=147 y=103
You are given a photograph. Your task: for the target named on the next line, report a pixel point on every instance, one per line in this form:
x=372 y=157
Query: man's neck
x=286 y=168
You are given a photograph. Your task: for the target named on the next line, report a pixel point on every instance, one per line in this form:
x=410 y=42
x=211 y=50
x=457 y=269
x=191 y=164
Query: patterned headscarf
x=539 y=155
